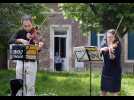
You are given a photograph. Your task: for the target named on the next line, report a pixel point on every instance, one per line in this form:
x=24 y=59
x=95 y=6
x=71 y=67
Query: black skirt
x=110 y=84
x=112 y=70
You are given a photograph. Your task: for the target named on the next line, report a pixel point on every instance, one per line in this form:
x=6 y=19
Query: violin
x=33 y=36
x=112 y=50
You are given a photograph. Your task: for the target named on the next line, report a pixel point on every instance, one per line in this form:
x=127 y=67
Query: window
x=60 y=46
x=60 y=33
x=95 y=39
x=100 y=40
x=129 y=48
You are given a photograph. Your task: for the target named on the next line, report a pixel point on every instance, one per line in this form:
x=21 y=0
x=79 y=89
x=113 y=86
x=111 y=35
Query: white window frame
x=67 y=28
x=98 y=39
x=89 y=39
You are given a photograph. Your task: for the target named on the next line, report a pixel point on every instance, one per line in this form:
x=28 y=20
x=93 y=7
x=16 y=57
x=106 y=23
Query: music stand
x=23 y=53
x=88 y=54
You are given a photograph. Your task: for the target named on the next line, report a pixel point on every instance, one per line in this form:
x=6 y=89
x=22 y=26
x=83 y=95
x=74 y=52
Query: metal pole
x=133 y=69
x=90 y=78
x=23 y=71
x=23 y=77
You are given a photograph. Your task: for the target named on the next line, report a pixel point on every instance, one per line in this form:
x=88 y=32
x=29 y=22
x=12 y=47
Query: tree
x=101 y=16
x=10 y=21
x=10 y=15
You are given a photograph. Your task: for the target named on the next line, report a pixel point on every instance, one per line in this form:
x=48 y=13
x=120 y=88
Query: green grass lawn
x=66 y=84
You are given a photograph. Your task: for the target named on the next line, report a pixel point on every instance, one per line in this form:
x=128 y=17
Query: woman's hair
x=116 y=37
x=26 y=17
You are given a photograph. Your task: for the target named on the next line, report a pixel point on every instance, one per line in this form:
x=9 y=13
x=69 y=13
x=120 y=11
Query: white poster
x=87 y=54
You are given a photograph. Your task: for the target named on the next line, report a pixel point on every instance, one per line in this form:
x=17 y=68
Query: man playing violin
x=27 y=36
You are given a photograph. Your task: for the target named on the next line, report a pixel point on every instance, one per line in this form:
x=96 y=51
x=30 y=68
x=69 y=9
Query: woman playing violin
x=111 y=73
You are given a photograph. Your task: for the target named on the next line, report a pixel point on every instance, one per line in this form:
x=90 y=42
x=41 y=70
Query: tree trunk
x=3 y=53
x=3 y=59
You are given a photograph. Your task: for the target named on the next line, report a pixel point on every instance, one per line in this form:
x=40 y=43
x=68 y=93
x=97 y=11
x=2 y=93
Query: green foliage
x=83 y=14
x=10 y=15
x=106 y=15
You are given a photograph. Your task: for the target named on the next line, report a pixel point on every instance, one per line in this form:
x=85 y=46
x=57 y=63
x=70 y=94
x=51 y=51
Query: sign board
x=17 y=52
x=31 y=52
x=80 y=54
x=93 y=53
x=23 y=52
x=87 y=54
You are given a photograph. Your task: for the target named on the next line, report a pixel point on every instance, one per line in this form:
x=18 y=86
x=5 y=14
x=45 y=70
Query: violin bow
x=119 y=24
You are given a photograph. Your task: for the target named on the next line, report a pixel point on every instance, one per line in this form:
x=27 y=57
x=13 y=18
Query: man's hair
x=26 y=18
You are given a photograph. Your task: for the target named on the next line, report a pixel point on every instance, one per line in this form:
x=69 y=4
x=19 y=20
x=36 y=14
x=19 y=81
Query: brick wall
x=77 y=38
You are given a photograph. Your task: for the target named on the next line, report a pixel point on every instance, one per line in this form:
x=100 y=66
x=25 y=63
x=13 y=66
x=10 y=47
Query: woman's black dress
x=111 y=73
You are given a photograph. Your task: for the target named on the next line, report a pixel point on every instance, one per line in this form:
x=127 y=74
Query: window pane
x=130 y=46
x=63 y=47
x=94 y=39
x=60 y=32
